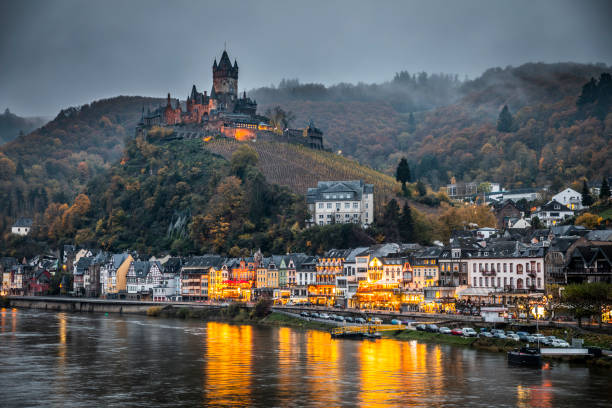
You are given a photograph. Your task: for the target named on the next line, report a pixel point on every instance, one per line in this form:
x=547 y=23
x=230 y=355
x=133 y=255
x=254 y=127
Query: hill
x=55 y=162
x=12 y=125
x=458 y=136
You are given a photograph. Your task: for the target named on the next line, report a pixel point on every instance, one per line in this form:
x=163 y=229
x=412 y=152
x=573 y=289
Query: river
x=64 y=359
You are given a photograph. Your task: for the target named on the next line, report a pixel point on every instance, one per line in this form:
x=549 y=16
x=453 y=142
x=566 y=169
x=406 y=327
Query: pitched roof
x=23 y=222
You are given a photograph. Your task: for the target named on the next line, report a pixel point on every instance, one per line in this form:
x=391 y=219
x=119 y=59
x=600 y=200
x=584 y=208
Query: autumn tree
x=242 y=158
x=588 y=220
x=7 y=168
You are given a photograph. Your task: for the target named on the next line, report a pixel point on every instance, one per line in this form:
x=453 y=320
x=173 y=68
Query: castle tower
x=225 y=79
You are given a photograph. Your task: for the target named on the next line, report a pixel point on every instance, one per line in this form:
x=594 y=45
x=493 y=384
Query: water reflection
x=322 y=371
x=118 y=361
x=228 y=364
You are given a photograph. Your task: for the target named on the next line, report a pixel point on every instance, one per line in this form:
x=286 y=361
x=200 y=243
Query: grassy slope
x=299 y=167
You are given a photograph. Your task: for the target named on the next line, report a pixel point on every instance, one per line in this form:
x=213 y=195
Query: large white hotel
x=341 y=202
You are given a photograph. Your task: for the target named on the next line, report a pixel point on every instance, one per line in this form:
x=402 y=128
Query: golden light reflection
x=228 y=364
x=393 y=371
x=322 y=371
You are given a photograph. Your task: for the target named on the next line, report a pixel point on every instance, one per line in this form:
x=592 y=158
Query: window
x=480 y=281
x=539 y=267
x=320 y=205
x=511 y=268
x=474 y=268
x=498 y=267
x=505 y=269
x=366 y=205
x=498 y=282
x=321 y=216
x=329 y=205
x=527 y=282
x=539 y=282
x=505 y=281
x=511 y=281
x=486 y=281
x=475 y=281
x=355 y=205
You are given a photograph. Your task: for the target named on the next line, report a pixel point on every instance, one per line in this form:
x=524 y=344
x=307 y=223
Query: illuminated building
x=328 y=267
x=199 y=277
x=425 y=267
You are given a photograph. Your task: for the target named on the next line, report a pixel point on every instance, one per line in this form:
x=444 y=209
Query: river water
x=63 y=359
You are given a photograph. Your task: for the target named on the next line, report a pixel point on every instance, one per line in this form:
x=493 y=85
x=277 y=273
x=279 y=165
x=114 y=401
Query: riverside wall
x=68 y=304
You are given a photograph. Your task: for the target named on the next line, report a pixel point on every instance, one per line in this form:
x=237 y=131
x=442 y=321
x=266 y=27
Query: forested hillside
x=12 y=125
x=54 y=163
x=460 y=137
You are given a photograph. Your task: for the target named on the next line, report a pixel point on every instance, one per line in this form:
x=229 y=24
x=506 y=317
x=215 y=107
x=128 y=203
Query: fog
x=55 y=54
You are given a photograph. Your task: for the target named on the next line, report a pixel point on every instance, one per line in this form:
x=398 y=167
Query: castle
x=223 y=112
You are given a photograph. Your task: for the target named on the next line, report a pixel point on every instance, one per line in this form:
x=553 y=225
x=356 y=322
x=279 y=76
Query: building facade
x=341 y=202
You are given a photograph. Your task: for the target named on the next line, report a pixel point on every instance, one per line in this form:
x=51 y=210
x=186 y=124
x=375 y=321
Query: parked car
x=468 y=332
x=509 y=332
x=324 y=316
x=499 y=335
x=548 y=340
x=421 y=327
x=349 y=319
x=522 y=335
x=513 y=336
x=395 y=321
x=305 y=314
x=315 y=315
x=445 y=330
x=340 y=318
x=457 y=332
x=376 y=320
x=485 y=334
x=432 y=328
x=559 y=343
x=360 y=320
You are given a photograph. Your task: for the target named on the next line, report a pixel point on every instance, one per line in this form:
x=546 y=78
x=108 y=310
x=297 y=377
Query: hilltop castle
x=223 y=112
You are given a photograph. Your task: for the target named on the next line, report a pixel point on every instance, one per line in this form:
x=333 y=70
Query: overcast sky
x=55 y=54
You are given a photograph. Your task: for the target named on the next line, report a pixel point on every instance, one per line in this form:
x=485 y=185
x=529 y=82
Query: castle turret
x=225 y=79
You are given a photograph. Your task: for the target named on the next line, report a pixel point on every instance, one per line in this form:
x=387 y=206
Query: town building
x=569 y=198
x=552 y=213
x=22 y=226
x=341 y=202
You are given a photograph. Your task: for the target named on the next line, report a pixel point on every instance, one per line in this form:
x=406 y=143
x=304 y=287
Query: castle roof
x=224 y=62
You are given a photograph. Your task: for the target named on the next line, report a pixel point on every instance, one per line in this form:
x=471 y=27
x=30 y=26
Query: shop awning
x=479 y=292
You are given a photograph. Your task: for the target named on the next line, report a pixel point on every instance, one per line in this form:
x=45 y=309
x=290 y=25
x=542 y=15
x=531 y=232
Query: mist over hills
x=12 y=125
x=454 y=120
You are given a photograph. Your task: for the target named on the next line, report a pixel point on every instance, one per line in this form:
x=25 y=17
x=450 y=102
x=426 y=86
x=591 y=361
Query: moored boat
x=528 y=356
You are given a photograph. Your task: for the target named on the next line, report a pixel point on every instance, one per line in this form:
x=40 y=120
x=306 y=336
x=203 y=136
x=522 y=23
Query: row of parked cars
x=538 y=338
x=338 y=318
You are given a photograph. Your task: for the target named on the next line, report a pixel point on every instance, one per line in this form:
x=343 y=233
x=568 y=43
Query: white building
x=498 y=270
x=529 y=194
x=341 y=202
x=570 y=198
x=22 y=226
x=552 y=213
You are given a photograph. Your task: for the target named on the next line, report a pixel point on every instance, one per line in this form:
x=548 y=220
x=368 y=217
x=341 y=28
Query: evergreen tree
x=589 y=93
x=390 y=221
x=604 y=191
x=421 y=188
x=587 y=200
x=406 y=224
x=402 y=173
x=505 y=120
x=411 y=123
